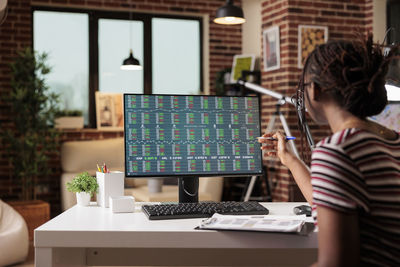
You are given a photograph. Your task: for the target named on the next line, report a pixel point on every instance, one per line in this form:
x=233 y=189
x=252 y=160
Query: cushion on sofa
x=78 y=156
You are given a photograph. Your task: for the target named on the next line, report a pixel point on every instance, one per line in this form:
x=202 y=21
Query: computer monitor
x=191 y=136
x=390 y=116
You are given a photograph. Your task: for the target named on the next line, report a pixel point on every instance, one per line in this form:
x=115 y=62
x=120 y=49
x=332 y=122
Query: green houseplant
x=28 y=136
x=31 y=137
x=84 y=186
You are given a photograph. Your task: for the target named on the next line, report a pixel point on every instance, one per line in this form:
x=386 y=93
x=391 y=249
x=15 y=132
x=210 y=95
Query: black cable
x=187 y=192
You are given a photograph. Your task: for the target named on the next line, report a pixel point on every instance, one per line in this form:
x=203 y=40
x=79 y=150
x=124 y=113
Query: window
x=393 y=21
x=114 y=46
x=86 y=50
x=176 y=56
x=68 y=56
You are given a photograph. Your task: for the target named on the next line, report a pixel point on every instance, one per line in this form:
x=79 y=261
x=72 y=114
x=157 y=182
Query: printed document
x=264 y=223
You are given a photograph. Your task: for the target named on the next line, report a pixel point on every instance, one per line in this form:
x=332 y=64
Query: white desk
x=95 y=236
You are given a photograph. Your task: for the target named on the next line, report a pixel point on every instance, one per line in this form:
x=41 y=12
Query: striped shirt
x=357 y=171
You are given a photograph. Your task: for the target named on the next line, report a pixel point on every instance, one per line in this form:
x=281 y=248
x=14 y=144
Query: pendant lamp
x=131 y=63
x=229 y=14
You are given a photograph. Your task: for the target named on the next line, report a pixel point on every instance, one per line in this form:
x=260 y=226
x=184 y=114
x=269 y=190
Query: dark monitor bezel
x=227 y=174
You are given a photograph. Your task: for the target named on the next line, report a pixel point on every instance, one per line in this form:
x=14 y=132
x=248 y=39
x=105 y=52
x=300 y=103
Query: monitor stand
x=188 y=189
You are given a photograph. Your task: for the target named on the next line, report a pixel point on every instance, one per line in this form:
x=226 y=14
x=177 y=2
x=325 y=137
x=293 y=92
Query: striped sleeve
x=336 y=181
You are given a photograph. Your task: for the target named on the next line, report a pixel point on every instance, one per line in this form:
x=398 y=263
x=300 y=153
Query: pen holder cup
x=110 y=185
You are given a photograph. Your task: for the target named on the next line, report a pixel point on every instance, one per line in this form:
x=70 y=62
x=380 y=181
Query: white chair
x=14 y=238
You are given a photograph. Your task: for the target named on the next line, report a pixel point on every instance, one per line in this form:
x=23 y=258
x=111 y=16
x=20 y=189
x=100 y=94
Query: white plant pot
x=83 y=198
x=69 y=122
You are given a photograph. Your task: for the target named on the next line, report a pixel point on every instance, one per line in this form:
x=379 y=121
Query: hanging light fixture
x=131 y=63
x=229 y=14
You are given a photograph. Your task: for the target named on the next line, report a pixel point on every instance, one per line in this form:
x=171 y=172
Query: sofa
x=14 y=238
x=80 y=156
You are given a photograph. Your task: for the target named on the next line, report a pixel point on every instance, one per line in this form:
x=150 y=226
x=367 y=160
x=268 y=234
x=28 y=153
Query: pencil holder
x=110 y=185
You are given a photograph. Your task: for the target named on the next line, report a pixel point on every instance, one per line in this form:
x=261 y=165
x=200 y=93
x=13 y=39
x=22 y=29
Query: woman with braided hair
x=354 y=181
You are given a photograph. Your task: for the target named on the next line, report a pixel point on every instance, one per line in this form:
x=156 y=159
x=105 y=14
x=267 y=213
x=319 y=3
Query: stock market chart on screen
x=186 y=134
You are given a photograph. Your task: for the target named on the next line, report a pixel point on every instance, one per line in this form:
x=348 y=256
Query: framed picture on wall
x=309 y=36
x=109 y=111
x=240 y=63
x=271 y=51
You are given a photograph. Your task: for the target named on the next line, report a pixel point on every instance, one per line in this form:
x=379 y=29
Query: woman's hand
x=277 y=148
x=299 y=170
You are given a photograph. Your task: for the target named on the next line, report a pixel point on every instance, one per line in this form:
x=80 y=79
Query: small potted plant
x=84 y=186
x=69 y=119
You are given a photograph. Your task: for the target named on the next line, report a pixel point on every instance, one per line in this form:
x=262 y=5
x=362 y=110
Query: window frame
x=392 y=21
x=146 y=18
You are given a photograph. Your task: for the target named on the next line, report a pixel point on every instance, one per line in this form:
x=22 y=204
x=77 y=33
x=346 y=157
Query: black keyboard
x=202 y=210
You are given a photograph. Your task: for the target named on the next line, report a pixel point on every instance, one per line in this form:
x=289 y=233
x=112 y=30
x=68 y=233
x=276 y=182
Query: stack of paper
x=264 y=223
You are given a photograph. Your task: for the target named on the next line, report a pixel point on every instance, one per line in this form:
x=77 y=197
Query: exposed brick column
x=343 y=18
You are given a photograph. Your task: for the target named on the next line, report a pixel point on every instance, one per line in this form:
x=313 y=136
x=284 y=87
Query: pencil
x=287 y=138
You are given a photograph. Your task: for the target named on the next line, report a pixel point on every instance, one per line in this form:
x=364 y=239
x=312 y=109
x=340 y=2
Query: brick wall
x=343 y=17
x=16 y=33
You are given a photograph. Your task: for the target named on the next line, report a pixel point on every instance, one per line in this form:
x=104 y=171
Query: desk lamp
x=282 y=99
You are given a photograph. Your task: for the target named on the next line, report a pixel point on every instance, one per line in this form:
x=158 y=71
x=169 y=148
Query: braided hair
x=352 y=73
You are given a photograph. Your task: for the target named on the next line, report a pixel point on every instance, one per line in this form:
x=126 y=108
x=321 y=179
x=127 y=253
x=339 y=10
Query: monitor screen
x=191 y=135
x=390 y=116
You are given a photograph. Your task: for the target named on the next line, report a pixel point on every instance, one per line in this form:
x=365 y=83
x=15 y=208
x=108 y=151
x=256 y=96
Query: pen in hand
x=287 y=138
